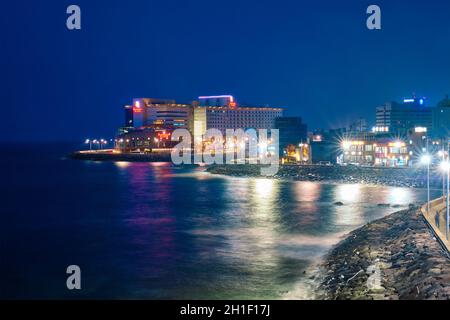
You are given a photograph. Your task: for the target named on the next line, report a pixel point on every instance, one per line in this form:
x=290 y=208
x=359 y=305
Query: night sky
x=316 y=58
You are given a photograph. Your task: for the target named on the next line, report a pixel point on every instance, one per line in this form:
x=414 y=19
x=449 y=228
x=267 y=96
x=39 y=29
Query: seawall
x=396 y=257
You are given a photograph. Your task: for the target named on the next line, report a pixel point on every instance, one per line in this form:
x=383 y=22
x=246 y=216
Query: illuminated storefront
x=380 y=152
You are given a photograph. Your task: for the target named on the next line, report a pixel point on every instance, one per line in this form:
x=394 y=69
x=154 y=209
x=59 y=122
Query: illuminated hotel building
x=157 y=113
x=401 y=117
x=222 y=112
x=150 y=122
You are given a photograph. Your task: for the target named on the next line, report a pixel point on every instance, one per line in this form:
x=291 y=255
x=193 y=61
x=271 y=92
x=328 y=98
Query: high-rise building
x=292 y=131
x=226 y=114
x=401 y=117
x=441 y=119
x=159 y=113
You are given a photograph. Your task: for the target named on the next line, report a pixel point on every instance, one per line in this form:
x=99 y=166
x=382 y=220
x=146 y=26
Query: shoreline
x=128 y=157
x=394 y=177
x=395 y=257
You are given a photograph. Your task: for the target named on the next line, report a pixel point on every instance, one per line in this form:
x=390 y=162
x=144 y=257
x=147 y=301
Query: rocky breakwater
x=396 y=257
x=397 y=177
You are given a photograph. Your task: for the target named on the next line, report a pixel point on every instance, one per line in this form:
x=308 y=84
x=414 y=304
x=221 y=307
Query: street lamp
x=426 y=159
x=101 y=143
x=88 y=141
x=445 y=166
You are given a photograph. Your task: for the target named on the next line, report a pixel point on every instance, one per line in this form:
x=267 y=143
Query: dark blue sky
x=316 y=58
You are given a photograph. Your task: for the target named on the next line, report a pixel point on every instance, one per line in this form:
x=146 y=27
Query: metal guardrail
x=436 y=219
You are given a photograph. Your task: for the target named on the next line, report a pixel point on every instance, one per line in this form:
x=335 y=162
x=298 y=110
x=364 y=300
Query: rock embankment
x=406 y=177
x=396 y=257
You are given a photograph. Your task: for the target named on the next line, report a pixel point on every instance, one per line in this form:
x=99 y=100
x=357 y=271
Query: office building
x=401 y=117
x=292 y=132
x=441 y=119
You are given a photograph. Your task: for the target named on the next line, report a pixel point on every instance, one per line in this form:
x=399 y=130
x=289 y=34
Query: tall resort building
x=222 y=112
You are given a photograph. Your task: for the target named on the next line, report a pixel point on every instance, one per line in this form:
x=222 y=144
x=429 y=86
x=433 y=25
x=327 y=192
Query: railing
x=437 y=219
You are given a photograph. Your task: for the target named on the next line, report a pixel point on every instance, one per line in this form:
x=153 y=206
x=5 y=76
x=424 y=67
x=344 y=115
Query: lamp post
x=426 y=159
x=441 y=154
x=88 y=141
x=447 y=213
x=445 y=165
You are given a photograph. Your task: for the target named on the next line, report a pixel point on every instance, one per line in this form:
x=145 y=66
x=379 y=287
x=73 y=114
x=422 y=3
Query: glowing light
x=420 y=129
x=264 y=187
x=346 y=145
x=380 y=129
x=349 y=192
x=262 y=145
x=425 y=159
x=317 y=138
x=218 y=97
x=399 y=195
x=408 y=100
x=445 y=166
x=122 y=164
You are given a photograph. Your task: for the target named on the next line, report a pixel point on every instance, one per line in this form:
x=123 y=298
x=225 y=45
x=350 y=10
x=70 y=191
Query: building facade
x=165 y=114
x=293 y=136
x=384 y=152
x=143 y=139
x=441 y=119
x=401 y=117
x=231 y=116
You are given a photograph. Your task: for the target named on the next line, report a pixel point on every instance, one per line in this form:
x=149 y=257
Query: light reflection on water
x=152 y=231
x=248 y=237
